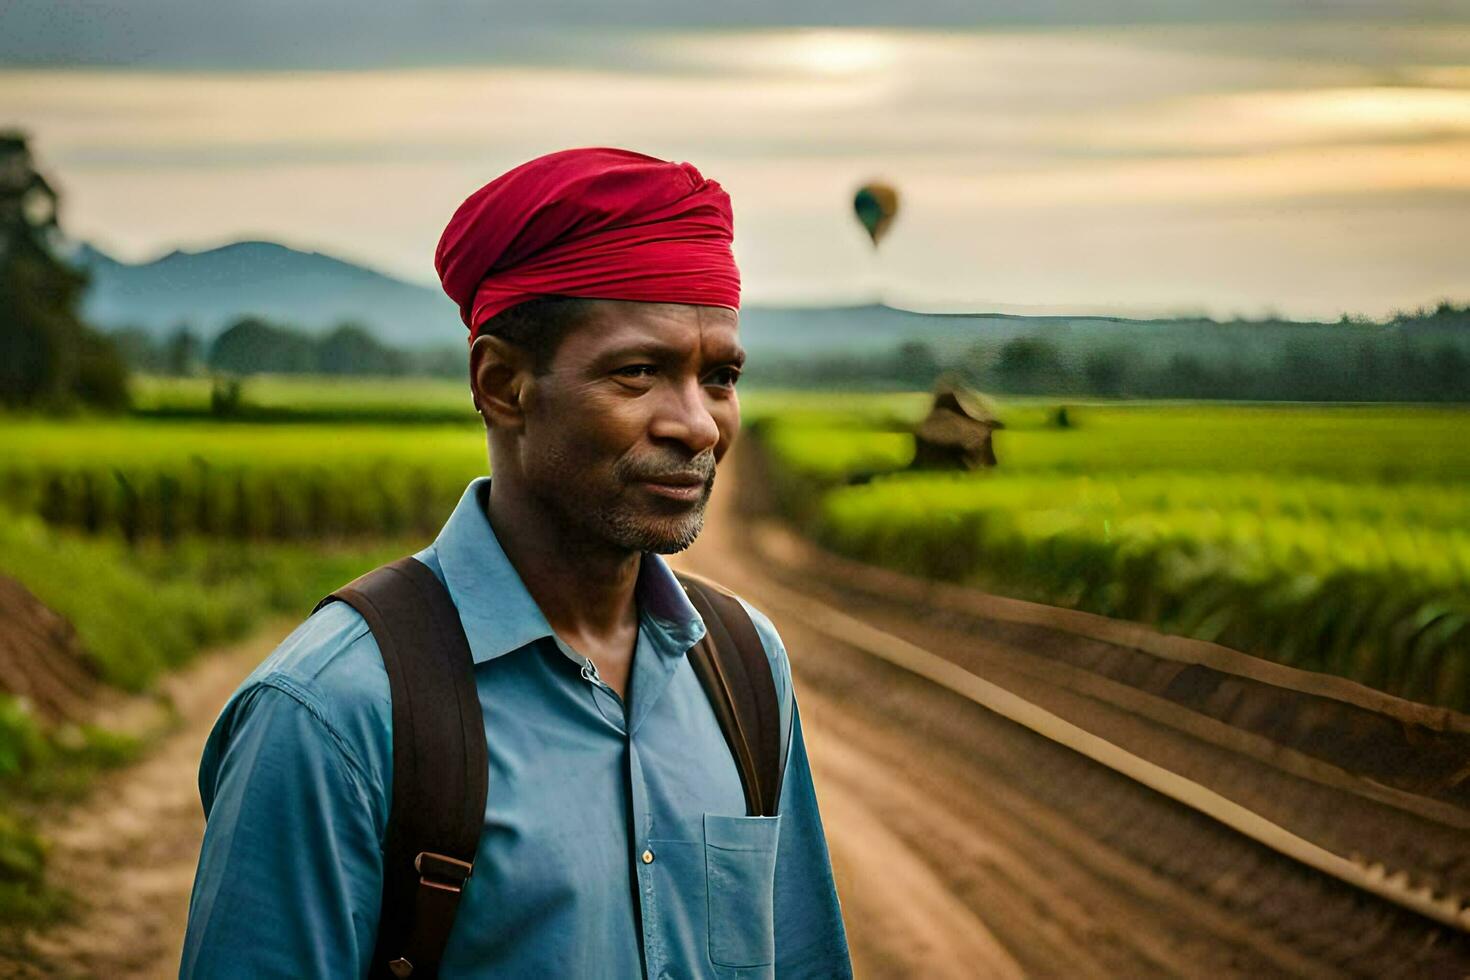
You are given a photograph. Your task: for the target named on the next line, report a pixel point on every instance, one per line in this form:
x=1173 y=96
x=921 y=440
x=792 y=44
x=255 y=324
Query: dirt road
x=129 y=851
x=944 y=867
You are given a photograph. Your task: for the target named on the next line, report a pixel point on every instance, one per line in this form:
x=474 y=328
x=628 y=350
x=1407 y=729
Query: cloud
x=406 y=33
x=1036 y=166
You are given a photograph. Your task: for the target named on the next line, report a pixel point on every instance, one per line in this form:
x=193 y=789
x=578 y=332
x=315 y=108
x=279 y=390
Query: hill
x=210 y=288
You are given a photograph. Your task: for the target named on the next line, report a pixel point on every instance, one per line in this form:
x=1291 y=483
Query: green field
x=1354 y=442
x=1329 y=537
x=1334 y=538
x=297 y=397
x=153 y=478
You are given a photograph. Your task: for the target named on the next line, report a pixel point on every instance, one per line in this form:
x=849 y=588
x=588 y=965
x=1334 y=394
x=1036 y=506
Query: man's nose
x=685 y=416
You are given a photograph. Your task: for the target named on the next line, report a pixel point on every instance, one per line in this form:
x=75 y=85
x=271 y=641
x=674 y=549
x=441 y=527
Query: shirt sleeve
x=290 y=872
x=810 y=938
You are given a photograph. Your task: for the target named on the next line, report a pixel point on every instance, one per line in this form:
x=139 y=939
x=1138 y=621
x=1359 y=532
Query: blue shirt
x=296 y=778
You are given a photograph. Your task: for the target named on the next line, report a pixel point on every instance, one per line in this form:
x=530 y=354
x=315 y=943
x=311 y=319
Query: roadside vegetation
x=137 y=611
x=1332 y=538
x=144 y=478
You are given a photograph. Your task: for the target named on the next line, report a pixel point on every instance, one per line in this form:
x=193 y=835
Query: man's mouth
x=677 y=486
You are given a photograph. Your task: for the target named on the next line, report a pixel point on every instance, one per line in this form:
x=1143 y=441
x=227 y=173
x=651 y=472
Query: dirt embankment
x=41 y=658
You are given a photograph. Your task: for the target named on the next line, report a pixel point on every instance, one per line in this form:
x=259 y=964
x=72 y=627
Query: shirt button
x=647 y=857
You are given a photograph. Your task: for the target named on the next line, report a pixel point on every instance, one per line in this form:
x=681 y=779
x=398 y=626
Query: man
x=601 y=297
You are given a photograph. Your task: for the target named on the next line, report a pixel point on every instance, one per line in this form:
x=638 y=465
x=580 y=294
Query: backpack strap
x=731 y=664
x=440 y=765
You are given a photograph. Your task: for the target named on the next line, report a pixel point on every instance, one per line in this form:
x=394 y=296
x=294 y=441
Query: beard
x=608 y=504
x=637 y=531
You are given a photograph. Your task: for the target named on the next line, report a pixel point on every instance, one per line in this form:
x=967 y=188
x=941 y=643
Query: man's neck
x=584 y=589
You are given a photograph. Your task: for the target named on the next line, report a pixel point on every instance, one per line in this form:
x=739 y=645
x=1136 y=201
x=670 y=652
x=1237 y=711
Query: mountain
x=208 y=289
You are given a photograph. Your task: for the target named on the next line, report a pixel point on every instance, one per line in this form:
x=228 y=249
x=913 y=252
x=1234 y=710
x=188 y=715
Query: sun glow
x=829 y=53
x=840 y=52
x=1378 y=108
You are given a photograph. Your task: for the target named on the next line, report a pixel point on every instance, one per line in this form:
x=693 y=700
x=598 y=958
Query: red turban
x=595 y=222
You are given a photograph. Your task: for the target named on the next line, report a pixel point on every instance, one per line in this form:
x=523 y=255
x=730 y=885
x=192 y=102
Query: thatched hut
x=956 y=433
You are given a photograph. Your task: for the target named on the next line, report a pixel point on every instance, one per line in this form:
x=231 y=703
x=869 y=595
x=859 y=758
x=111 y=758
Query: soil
x=41 y=658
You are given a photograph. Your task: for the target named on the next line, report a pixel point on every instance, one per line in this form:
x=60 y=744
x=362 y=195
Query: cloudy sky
x=1142 y=158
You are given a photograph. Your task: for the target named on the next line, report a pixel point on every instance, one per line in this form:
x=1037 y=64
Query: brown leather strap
x=731 y=664
x=440 y=763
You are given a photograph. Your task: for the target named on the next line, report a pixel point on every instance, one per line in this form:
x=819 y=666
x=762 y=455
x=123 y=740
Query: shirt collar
x=497 y=611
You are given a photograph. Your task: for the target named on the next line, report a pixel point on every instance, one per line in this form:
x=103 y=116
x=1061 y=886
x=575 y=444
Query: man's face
x=623 y=432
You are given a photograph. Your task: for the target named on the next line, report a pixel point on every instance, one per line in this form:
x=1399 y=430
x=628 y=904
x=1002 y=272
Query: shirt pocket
x=740 y=878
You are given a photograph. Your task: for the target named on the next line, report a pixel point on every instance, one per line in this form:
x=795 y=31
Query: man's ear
x=499 y=372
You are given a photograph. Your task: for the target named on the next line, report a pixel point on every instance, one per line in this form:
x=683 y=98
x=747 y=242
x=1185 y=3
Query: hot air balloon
x=875 y=204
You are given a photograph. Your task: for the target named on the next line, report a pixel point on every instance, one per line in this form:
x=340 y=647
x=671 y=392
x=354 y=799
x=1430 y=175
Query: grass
x=36 y=442
x=304 y=398
x=1361 y=443
x=145 y=610
x=1333 y=538
x=149 y=478
x=138 y=612
x=1364 y=444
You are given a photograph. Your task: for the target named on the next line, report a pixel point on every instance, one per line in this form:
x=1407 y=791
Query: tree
x=1107 y=370
x=1030 y=364
x=1449 y=369
x=351 y=349
x=137 y=348
x=252 y=345
x=49 y=358
x=1187 y=377
x=182 y=352
x=914 y=363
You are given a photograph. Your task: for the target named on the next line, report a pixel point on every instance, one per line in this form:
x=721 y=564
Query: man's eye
x=726 y=377
x=636 y=371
